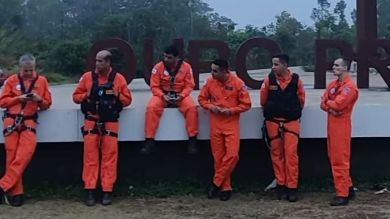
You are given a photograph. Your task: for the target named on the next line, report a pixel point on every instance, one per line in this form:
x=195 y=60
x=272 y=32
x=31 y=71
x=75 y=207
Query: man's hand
x=36 y=98
x=334 y=112
x=179 y=98
x=215 y=109
x=226 y=111
x=167 y=99
x=23 y=98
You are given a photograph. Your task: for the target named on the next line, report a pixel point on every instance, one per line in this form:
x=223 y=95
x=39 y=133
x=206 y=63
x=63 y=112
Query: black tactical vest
x=283 y=103
x=102 y=100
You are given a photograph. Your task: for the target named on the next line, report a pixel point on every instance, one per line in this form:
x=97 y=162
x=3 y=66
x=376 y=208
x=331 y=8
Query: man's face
x=338 y=67
x=278 y=67
x=169 y=59
x=27 y=70
x=217 y=73
x=101 y=63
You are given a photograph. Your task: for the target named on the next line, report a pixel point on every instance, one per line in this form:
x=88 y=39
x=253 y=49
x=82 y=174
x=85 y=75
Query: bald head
x=104 y=54
x=103 y=61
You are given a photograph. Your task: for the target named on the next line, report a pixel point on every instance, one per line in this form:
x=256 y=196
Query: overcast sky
x=262 y=12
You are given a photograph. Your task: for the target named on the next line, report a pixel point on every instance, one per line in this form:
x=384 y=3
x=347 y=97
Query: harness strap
x=282 y=129
x=98 y=129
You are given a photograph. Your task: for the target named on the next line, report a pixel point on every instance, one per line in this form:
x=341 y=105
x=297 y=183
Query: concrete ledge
x=63 y=125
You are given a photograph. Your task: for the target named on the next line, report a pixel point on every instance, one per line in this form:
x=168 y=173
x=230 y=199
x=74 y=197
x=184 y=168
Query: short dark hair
x=284 y=58
x=172 y=50
x=222 y=64
x=346 y=62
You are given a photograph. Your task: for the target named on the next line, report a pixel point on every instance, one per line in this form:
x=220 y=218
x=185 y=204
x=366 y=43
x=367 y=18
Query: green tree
x=384 y=18
x=324 y=20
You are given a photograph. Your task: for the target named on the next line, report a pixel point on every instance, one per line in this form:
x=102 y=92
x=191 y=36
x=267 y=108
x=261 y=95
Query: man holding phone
x=172 y=83
x=22 y=96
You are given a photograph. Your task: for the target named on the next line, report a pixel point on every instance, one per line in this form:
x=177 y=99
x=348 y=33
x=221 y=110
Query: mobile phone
x=29 y=95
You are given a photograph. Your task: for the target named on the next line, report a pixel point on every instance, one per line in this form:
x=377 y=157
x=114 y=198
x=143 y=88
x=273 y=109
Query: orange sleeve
x=324 y=99
x=264 y=91
x=124 y=92
x=7 y=99
x=204 y=97
x=344 y=99
x=81 y=92
x=46 y=97
x=155 y=82
x=244 y=100
x=301 y=93
x=189 y=83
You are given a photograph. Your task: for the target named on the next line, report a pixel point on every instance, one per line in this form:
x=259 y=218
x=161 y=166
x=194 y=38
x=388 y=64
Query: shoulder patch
x=154 y=70
x=346 y=90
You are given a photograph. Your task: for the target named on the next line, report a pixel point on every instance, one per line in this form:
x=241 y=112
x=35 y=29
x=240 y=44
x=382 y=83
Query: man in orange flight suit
x=282 y=97
x=22 y=96
x=102 y=95
x=171 y=83
x=225 y=96
x=338 y=101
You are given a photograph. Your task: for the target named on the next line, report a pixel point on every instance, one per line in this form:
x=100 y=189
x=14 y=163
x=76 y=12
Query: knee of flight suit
x=155 y=103
x=232 y=157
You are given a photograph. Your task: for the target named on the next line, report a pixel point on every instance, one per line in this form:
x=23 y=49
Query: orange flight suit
x=20 y=146
x=106 y=143
x=284 y=154
x=160 y=85
x=225 y=129
x=341 y=98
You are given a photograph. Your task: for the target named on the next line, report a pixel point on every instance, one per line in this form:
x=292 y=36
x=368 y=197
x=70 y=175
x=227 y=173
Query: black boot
x=149 y=147
x=292 y=195
x=17 y=200
x=213 y=191
x=339 y=201
x=90 y=197
x=2 y=196
x=282 y=192
x=192 y=149
x=351 y=195
x=106 y=198
x=225 y=195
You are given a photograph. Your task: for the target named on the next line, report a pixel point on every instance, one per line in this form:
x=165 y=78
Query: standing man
x=282 y=97
x=225 y=96
x=23 y=95
x=338 y=101
x=102 y=94
x=171 y=83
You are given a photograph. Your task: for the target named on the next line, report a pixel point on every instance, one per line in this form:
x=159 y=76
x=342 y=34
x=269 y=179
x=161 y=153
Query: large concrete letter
x=243 y=51
x=195 y=47
x=322 y=63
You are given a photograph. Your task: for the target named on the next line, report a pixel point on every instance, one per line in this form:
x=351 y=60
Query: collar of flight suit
x=103 y=76
x=346 y=79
